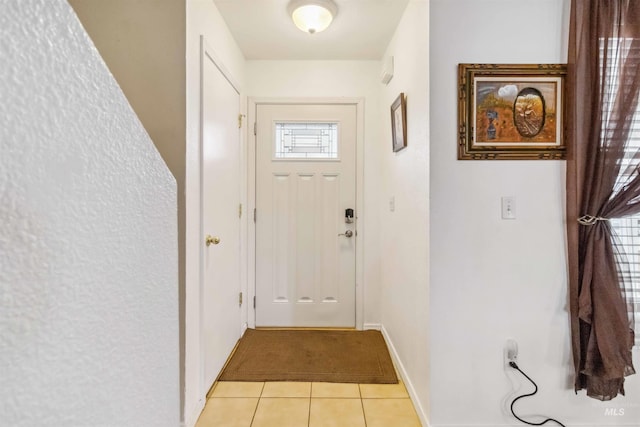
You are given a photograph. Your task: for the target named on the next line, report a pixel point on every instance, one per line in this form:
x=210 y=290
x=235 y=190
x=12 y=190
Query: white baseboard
x=191 y=419
x=405 y=379
x=244 y=329
x=372 y=326
x=523 y=425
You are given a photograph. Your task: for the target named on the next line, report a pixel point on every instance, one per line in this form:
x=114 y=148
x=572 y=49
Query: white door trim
x=207 y=53
x=252 y=104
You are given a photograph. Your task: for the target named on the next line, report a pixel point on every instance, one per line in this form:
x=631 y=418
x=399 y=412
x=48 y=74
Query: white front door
x=220 y=219
x=305 y=245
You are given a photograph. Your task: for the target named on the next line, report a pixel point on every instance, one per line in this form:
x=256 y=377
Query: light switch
x=509 y=207
x=392 y=204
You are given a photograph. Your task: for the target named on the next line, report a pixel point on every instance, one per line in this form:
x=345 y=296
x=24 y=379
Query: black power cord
x=515 y=366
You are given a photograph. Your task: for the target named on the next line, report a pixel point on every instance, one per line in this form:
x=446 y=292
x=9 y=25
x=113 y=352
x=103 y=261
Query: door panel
x=305 y=270
x=220 y=219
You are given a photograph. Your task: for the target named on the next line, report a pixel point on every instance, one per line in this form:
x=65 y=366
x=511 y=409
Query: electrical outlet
x=510 y=351
x=509 y=207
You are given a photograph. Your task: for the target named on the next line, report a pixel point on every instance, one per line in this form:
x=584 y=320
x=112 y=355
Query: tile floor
x=295 y=404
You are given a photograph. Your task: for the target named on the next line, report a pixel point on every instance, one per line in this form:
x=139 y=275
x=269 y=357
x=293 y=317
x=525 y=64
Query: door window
x=311 y=140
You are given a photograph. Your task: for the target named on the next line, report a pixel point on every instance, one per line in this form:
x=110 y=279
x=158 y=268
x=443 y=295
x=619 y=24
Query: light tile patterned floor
x=295 y=404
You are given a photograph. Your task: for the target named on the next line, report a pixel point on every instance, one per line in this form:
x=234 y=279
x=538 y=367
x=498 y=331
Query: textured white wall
x=405 y=231
x=88 y=240
x=143 y=43
x=493 y=279
x=353 y=79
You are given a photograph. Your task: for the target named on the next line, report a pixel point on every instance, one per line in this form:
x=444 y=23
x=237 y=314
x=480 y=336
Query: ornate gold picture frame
x=511 y=112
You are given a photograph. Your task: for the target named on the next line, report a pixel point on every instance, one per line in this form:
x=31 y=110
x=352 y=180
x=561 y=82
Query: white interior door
x=305 y=248
x=220 y=218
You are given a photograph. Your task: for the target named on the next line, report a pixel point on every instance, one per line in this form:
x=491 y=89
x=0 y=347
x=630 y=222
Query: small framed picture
x=511 y=112
x=399 y=122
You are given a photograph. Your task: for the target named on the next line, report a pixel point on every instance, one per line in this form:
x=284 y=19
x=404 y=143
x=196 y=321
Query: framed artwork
x=399 y=122
x=511 y=112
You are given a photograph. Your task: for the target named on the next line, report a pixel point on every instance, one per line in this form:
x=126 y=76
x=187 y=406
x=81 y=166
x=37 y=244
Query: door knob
x=209 y=240
x=347 y=233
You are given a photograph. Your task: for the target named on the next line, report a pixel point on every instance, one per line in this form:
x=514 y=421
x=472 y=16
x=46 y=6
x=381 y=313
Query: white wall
x=202 y=19
x=143 y=43
x=332 y=79
x=405 y=231
x=492 y=279
x=88 y=237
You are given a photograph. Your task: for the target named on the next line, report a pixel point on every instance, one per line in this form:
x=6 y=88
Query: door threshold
x=303 y=328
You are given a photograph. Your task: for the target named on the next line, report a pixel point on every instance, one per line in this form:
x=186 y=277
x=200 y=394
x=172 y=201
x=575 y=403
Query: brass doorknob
x=209 y=240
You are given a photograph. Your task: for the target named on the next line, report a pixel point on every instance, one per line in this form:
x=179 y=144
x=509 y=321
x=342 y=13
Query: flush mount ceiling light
x=312 y=16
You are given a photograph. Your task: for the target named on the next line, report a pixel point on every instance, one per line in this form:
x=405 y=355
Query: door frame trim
x=252 y=105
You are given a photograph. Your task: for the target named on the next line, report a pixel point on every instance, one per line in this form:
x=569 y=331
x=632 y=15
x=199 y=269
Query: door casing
x=252 y=104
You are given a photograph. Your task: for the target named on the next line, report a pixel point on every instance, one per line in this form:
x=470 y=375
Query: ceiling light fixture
x=312 y=16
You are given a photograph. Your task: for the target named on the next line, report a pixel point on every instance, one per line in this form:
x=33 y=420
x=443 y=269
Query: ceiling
x=263 y=29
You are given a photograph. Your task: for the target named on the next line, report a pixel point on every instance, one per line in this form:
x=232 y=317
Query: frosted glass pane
x=306 y=141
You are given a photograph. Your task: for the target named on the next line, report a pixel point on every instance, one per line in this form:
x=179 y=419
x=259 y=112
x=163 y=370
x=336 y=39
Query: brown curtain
x=602 y=95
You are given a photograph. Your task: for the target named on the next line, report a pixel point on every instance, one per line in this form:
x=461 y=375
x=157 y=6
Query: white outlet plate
x=508 y=207
x=510 y=351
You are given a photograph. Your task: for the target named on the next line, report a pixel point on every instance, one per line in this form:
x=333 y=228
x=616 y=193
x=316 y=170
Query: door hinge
x=255 y=128
x=240 y=299
x=254 y=301
x=254 y=214
x=240 y=120
x=240 y=211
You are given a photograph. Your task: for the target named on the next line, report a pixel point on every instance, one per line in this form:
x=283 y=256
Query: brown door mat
x=311 y=355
